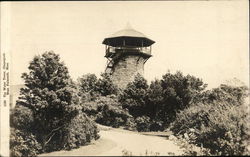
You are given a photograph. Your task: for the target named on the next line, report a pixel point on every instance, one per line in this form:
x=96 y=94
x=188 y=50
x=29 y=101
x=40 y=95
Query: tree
x=218 y=122
x=134 y=96
x=235 y=95
x=87 y=82
x=50 y=94
x=88 y=87
x=155 y=99
x=178 y=92
x=105 y=85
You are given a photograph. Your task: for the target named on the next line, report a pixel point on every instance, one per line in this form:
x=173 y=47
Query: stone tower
x=126 y=51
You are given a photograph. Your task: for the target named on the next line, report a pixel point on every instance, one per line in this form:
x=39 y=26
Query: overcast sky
x=207 y=39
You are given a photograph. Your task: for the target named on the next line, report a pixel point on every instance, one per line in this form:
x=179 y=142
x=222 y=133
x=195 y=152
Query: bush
x=178 y=92
x=220 y=127
x=48 y=110
x=21 y=118
x=133 y=97
x=87 y=85
x=49 y=93
x=234 y=95
x=105 y=85
x=80 y=131
x=23 y=144
x=130 y=124
x=142 y=123
x=107 y=111
x=157 y=125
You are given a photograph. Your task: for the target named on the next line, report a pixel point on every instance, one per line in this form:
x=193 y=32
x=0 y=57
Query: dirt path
x=114 y=142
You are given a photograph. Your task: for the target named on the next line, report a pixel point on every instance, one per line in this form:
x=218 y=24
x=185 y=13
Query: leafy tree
x=219 y=126
x=49 y=94
x=155 y=99
x=87 y=82
x=134 y=96
x=219 y=121
x=21 y=118
x=105 y=85
x=23 y=144
x=106 y=110
x=235 y=95
x=179 y=92
x=88 y=87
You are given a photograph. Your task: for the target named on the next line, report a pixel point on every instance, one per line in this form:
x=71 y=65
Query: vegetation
x=160 y=100
x=47 y=109
x=90 y=87
x=54 y=113
x=219 y=123
x=176 y=92
x=23 y=144
x=107 y=111
x=134 y=96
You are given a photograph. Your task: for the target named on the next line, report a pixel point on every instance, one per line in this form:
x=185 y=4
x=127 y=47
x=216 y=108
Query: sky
x=207 y=39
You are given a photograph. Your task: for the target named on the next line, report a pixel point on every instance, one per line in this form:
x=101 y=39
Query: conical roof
x=129 y=36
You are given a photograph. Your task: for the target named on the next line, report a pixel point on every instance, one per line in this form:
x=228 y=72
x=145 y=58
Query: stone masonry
x=126 y=68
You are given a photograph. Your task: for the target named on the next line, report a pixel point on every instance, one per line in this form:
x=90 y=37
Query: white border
x=4 y=51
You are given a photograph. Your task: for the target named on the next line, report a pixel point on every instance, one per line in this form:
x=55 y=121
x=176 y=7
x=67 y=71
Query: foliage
x=162 y=99
x=80 y=131
x=51 y=102
x=105 y=85
x=23 y=144
x=134 y=96
x=216 y=124
x=143 y=123
x=87 y=87
x=234 y=95
x=49 y=93
x=155 y=99
x=90 y=87
x=21 y=118
x=107 y=111
x=130 y=124
x=178 y=92
x=188 y=148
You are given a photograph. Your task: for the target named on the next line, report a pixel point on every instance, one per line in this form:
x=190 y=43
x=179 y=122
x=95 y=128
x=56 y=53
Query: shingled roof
x=130 y=36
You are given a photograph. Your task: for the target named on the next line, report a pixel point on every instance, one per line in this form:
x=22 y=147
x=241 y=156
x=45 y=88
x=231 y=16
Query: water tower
x=126 y=51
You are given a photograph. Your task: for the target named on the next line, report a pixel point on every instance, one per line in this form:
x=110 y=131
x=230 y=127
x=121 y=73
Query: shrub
x=21 y=118
x=107 y=111
x=105 y=85
x=23 y=144
x=130 y=124
x=234 y=95
x=157 y=125
x=87 y=85
x=49 y=106
x=134 y=96
x=80 y=131
x=179 y=92
x=220 y=127
x=142 y=123
x=49 y=93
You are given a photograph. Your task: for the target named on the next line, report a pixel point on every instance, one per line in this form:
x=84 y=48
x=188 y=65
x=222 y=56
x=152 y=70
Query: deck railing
x=111 y=50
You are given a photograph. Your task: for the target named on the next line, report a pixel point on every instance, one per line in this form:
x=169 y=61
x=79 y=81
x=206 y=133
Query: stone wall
x=126 y=68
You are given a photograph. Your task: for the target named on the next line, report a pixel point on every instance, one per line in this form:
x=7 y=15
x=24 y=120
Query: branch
x=53 y=131
x=46 y=142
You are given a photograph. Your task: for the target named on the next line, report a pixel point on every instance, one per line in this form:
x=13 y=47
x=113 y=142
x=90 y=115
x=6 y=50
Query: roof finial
x=128 y=26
